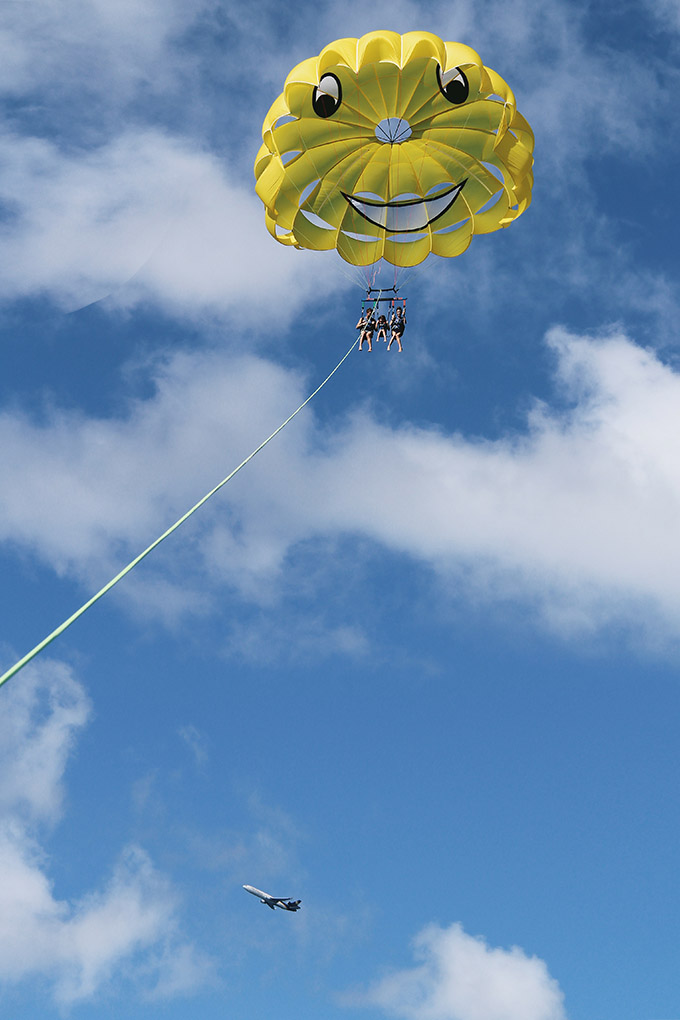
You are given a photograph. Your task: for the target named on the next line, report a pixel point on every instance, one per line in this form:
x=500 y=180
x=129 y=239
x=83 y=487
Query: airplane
x=284 y=902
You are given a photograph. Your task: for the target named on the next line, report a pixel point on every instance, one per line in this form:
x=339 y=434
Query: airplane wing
x=290 y=904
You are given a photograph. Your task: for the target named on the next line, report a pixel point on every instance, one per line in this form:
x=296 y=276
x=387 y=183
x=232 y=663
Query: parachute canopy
x=393 y=146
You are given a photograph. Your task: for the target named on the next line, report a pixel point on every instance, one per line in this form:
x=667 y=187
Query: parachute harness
x=126 y=570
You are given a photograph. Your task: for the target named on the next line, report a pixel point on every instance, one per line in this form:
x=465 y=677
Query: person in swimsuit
x=367 y=326
x=397 y=325
x=382 y=328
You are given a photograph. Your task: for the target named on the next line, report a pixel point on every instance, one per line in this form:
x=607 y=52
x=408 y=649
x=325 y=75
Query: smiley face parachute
x=392 y=147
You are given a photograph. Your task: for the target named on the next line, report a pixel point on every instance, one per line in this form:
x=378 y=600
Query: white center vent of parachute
x=393 y=130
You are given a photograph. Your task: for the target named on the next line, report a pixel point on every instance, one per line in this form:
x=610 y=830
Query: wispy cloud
x=103 y=52
x=196 y=741
x=666 y=11
x=265 y=849
x=265 y=641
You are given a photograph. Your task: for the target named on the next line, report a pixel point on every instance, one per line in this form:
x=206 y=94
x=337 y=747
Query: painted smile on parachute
x=402 y=216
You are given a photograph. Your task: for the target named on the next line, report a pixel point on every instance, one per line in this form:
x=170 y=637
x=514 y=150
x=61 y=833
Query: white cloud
x=103 y=482
x=80 y=946
x=38 y=728
x=460 y=977
x=106 y=50
x=149 y=211
x=578 y=514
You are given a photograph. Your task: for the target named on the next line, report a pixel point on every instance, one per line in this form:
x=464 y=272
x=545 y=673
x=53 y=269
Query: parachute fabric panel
x=377 y=131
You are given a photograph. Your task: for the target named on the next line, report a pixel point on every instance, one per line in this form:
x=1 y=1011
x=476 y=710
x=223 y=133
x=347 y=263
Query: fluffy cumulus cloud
x=577 y=513
x=85 y=474
x=77 y=946
x=460 y=977
x=144 y=210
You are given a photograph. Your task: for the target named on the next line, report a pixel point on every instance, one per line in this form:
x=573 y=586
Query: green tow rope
x=126 y=570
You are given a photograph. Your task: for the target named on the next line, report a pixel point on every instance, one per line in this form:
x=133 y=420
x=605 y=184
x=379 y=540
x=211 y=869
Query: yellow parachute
x=393 y=146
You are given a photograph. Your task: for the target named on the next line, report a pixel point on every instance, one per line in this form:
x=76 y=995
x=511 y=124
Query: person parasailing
x=397 y=326
x=382 y=328
x=367 y=326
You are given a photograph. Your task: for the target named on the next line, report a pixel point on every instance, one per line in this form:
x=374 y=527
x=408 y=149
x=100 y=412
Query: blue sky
x=418 y=663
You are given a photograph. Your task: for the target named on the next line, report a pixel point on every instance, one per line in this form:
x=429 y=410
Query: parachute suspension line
x=366 y=301
x=126 y=570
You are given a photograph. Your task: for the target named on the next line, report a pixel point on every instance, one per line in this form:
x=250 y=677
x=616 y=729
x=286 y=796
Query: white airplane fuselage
x=283 y=902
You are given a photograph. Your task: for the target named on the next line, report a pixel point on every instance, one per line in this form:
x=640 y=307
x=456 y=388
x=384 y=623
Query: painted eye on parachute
x=327 y=96
x=453 y=85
